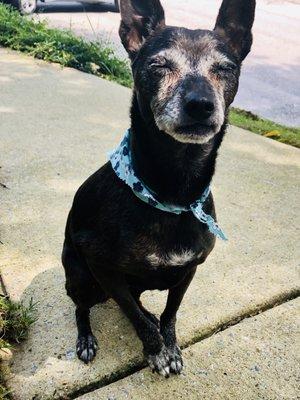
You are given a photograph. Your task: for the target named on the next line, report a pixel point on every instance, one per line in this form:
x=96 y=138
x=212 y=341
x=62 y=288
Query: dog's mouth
x=195 y=129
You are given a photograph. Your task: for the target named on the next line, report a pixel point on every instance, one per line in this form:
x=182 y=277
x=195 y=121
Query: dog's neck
x=177 y=172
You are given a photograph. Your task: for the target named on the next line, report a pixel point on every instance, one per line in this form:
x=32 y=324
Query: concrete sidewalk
x=250 y=361
x=56 y=127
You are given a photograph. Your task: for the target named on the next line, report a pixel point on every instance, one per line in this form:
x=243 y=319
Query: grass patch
x=15 y=320
x=60 y=46
x=63 y=47
x=264 y=127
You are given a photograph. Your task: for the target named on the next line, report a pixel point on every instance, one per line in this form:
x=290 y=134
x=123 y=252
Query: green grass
x=15 y=320
x=60 y=46
x=63 y=47
x=270 y=129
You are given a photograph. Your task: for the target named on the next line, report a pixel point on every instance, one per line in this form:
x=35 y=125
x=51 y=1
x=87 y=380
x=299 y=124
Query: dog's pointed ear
x=139 y=19
x=234 y=25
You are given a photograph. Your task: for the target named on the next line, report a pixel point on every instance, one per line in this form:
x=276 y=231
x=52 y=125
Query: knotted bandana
x=122 y=165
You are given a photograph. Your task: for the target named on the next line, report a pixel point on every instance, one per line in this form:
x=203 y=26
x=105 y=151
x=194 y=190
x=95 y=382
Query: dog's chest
x=172 y=258
x=167 y=247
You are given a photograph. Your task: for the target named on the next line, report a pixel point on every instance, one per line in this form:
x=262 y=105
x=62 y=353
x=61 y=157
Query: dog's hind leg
x=86 y=345
x=85 y=292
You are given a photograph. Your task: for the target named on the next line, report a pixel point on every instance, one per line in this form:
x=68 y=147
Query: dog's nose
x=198 y=108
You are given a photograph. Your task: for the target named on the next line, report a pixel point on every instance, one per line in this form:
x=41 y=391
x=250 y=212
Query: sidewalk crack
x=130 y=370
x=273 y=303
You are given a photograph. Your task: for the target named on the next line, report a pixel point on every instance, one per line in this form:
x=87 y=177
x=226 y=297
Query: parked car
x=29 y=6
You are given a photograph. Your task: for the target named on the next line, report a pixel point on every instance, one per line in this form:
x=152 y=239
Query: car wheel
x=117 y=6
x=25 y=6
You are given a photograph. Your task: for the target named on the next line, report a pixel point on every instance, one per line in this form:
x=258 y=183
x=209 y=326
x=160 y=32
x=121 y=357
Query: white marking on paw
x=173 y=365
x=160 y=363
x=84 y=354
x=176 y=364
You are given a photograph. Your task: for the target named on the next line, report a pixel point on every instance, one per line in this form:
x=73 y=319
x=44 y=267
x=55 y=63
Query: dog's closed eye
x=224 y=67
x=160 y=65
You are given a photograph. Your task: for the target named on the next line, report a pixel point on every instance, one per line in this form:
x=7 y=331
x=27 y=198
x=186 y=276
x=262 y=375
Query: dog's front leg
x=168 y=321
x=153 y=343
x=136 y=295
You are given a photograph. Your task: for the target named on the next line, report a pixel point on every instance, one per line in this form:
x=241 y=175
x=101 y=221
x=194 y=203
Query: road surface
x=270 y=84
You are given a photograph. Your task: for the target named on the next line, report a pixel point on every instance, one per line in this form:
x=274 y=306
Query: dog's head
x=184 y=79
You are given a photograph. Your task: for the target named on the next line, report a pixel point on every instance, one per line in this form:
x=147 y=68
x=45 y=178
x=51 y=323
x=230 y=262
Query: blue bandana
x=122 y=165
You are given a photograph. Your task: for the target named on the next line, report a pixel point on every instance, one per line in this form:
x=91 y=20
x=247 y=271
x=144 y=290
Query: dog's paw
x=176 y=363
x=160 y=362
x=86 y=348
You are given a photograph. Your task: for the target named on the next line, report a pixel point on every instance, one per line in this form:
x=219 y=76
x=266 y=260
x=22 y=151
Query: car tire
x=25 y=7
x=117 y=5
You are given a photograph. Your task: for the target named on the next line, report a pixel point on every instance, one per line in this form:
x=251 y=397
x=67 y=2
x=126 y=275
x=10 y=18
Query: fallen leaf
x=271 y=134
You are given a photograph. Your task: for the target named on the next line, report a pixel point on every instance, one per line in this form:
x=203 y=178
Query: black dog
x=117 y=245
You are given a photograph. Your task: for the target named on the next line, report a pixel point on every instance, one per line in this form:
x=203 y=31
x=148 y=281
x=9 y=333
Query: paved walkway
x=56 y=126
x=250 y=361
